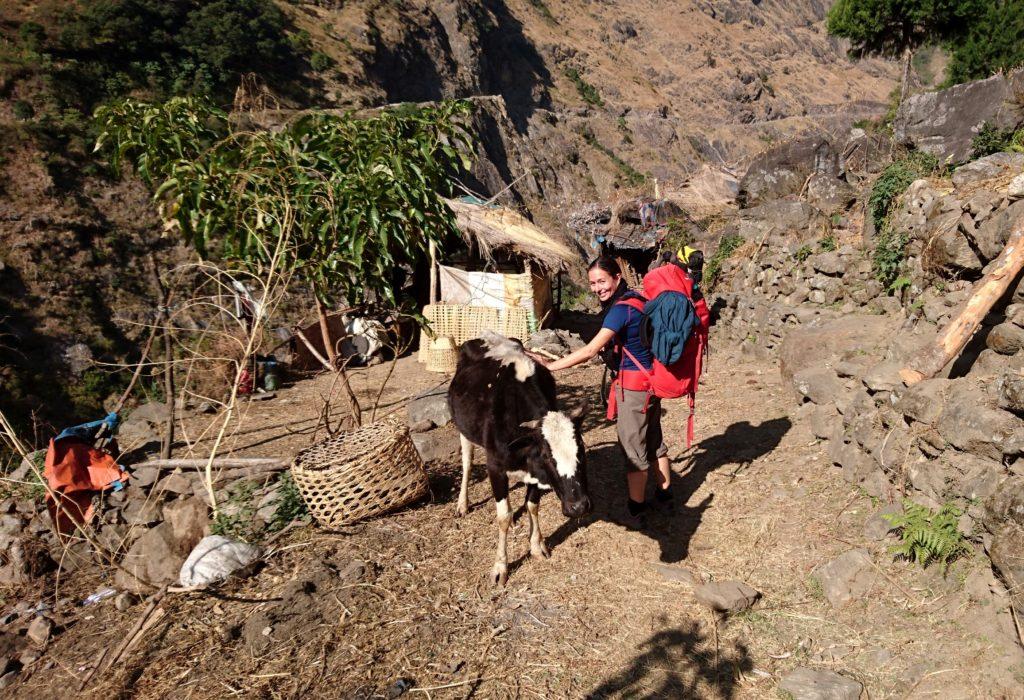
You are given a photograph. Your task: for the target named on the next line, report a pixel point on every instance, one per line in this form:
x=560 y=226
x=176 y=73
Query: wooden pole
x=956 y=335
x=433 y=271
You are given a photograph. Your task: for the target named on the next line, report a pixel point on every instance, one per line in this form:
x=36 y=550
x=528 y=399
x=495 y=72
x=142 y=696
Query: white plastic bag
x=214 y=559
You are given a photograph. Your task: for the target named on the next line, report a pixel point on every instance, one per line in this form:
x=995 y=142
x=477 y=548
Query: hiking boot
x=634 y=517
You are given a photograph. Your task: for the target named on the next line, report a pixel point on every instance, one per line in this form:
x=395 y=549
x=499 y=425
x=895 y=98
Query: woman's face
x=602 y=284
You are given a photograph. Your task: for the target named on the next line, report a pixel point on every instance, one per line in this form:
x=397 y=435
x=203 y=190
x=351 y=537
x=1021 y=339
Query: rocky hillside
x=845 y=306
x=578 y=100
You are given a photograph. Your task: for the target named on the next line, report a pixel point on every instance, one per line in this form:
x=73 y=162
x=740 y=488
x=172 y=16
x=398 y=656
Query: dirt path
x=350 y=613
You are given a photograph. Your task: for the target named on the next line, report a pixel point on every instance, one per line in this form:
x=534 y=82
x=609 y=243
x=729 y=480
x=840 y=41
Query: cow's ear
x=519 y=444
x=576 y=415
x=530 y=424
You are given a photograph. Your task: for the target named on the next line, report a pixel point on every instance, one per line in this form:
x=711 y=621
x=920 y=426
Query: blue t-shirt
x=625 y=321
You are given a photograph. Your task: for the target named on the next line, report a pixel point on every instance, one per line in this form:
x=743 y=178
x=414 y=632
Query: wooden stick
x=956 y=335
x=154 y=600
x=219 y=462
x=309 y=346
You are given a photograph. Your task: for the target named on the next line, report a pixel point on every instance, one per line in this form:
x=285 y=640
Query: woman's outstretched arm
x=603 y=337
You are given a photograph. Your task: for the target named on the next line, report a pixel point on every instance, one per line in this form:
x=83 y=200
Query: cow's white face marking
x=527 y=479
x=506 y=353
x=558 y=431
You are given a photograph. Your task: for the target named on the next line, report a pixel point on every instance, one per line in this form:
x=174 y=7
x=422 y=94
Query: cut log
x=957 y=334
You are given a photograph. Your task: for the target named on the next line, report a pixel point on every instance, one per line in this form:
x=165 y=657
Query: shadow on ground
x=739 y=445
x=678 y=663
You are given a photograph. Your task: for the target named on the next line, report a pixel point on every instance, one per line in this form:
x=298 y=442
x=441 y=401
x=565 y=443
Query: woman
x=638 y=420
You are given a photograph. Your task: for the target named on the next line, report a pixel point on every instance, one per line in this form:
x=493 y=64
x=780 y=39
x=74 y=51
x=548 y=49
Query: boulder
x=818 y=684
x=847 y=577
x=1015 y=190
x=822 y=342
x=948 y=247
x=944 y=122
x=39 y=631
x=824 y=420
x=780 y=221
x=991 y=236
x=829 y=193
x=877 y=526
x=1004 y=519
x=176 y=484
x=437 y=445
x=155 y=558
x=969 y=424
x=1006 y=339
x=431 y=405
x=189 y=519
x=1011 y=392
x=726 y=596
x=987 y=168
x=830 y=263
x=819 y=385
x=924 y=401
x=884 y=376
x=783 y=169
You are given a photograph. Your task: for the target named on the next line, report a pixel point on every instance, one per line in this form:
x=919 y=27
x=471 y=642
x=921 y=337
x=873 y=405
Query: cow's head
x=552 y=455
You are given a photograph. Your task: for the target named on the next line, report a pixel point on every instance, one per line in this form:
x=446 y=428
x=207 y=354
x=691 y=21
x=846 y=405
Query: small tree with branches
x=362 y=196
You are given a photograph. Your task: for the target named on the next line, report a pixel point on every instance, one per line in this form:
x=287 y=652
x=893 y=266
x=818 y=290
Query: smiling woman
x=637 y=412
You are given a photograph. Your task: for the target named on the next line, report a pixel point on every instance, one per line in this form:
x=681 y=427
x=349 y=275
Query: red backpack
x=680 y=378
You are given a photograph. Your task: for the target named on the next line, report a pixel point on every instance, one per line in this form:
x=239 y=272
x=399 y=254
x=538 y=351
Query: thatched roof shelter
x=493 y=228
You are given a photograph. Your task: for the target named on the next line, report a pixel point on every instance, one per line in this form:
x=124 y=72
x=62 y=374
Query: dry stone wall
x=841 y=339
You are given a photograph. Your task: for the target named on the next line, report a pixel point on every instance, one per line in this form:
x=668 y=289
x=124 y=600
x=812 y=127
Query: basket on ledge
x=367 y=471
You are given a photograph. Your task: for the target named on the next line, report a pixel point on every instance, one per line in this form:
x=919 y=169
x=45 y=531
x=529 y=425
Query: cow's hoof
x=540 y=552
x=499 y=574
x=461 y=510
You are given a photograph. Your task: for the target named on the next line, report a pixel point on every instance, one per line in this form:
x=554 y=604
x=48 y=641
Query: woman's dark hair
x=610 y=266
x=606 y=263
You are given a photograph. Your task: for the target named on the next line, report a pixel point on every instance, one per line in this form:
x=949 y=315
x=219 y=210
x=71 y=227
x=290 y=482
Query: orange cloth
x=76 y=470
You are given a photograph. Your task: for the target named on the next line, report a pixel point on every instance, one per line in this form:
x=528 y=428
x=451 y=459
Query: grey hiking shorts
x=639 y=431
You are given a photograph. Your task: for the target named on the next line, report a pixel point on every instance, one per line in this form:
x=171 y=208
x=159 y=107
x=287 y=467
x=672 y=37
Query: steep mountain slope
x=578 y=101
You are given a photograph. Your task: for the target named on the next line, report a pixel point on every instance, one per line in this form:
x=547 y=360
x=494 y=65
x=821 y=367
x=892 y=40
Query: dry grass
x=756 y=501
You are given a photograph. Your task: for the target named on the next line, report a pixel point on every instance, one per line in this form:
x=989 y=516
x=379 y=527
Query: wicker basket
x=462 y=323
x=364 y=472
x=442 y=355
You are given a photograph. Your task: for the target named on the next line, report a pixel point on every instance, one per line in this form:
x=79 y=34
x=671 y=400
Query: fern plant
x=928 y=536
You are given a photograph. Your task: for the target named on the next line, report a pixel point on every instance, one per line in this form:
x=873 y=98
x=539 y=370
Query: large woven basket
x=364 y=472
x=462 y=323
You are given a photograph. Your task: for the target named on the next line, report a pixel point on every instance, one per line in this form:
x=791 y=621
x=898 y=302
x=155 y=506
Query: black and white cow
x=503 y=401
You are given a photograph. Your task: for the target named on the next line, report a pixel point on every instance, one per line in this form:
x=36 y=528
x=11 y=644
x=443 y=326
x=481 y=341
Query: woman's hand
x=539 y=359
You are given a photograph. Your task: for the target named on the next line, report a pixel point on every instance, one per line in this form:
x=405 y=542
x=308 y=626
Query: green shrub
x=991 y=139
x=894 y=180
x=803 y=252
x=828 y=243
x=290 y=506
x=631 y=175
x=587 y=91
x=726 y=247
x=544 y=11
x=928 y=536
x=320 y=61
x=23 y=110
x=32 y=36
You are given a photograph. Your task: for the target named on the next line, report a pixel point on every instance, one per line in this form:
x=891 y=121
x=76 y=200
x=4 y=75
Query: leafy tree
x=896 y=27
x=109 y=47
x=344 y=201
x=993 y=41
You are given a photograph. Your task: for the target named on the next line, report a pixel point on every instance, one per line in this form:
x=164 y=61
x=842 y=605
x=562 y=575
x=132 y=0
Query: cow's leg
x=537 y=548
x=499 y=486
x=467 y=463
